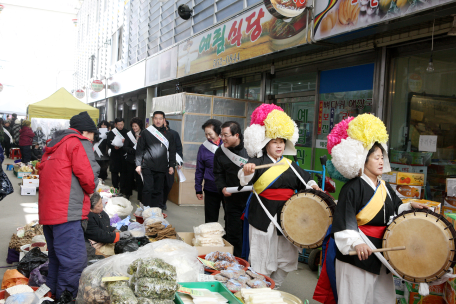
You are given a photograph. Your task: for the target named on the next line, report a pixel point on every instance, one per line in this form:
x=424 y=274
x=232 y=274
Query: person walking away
x=117 y=160
x=152 y=161
x=204 y=171
x=169 y=181
x=25 y=141
x=227 y=161
x=68 y=175
x=8 y=138
x=129 y=148
x=101 y=151
x=15 y=128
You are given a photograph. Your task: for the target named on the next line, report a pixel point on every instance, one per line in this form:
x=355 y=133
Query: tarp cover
x=60 y=105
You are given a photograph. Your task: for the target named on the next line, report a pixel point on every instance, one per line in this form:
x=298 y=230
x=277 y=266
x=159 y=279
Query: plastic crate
x=212 y=286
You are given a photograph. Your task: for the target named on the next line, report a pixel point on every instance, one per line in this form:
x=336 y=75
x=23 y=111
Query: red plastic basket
x=2 y=293
x=239 y=260
x=268 y=279
x=140 y=219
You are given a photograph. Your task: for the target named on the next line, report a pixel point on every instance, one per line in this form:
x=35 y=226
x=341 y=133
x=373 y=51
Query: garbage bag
x=23 y=298
x=142 y=241
x=128 y=245
x=6 y=187
x=65 y=298
x=38 y=275
x=31 y=260
x=124 y=228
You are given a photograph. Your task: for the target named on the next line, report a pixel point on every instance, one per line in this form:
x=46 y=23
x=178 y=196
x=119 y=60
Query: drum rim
x=442 y=271
x=330 y=204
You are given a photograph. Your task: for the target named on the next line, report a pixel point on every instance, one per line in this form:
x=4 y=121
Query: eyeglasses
x=225 y=135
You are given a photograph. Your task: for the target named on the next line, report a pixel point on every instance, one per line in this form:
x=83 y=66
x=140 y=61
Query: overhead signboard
x=161 y=67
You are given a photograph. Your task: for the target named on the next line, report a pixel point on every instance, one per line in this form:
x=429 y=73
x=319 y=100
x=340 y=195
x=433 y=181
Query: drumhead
x=429 y=242
x=306 y=217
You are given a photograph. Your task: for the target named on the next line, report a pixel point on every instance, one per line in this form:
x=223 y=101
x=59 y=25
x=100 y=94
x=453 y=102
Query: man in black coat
x=170 y=178
x=155 y=158
x=117 y=160
x=226 y=175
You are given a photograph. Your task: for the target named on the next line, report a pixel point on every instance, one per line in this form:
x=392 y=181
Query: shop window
x=423 y=125
x=247 y=87
x=289 y=82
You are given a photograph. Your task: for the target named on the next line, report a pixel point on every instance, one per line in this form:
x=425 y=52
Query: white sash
x=158 y=135
x=236 y=159
x=210 y=147
x=97 y=149
x=179 y=160
x=8 y=133
x=117 y=133
x=132 y=138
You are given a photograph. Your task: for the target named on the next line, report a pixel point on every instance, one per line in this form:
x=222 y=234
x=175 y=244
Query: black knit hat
x=83 y=122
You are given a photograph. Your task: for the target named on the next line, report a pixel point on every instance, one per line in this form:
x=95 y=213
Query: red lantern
x=75 y=22
x=1 y=7
x=1 y=87
x=80 y=94
x=97 y=85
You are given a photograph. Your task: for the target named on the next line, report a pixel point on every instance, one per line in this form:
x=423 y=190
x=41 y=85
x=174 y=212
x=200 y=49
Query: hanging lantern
x=97 y=85
x=1 y=87
x=80 y=94
x=1 y=7
x=75 y=22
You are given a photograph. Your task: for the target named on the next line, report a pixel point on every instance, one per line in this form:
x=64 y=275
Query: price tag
x=42 y=291
x=190 y=291
x=114 y=279
x=206 y=278
x=207 y=263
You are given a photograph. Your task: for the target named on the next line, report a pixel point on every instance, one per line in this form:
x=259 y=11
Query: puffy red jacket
x=26 y=136
x=68 y=175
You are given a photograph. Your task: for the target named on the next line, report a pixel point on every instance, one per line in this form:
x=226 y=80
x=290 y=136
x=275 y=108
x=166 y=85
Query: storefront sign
x=333 y=17
x=320 y=117
x=161 y=67
x=80 y=94
x=252 y=34
x=130 y=79
x=97 y=86
x=321 y=143
x=114 y=87
x=283 y=9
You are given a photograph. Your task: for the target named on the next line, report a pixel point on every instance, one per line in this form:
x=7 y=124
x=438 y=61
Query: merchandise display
x=261 y=295
x=235 y=280
x=209 y=234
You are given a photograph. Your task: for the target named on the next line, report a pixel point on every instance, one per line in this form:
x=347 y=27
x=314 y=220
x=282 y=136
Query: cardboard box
x=31 y=182
x=449 y=294
x=187 y=237
x=410 y=169
x=410 y=179
x=21 y=174
x=434 y=206
x=390 y=177
x=450 y=217
x=399 y=286
x=404 y=191
x=448 y=210
x=451 y=187
x=28 y=190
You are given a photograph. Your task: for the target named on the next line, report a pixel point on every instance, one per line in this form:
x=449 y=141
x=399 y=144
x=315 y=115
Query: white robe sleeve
x=311 y=183
x=347 y=240
x=404 y=207
x=244 y=179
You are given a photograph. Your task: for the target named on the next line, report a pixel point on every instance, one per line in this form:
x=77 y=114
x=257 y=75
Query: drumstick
x=269 y=165
x=381 y=250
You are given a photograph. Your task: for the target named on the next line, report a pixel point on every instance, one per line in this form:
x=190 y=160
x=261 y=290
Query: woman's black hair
x=215 y=124
x=119 y=119
x=104 y=122
x=94 y=199
x=373 y=149
x=137 y=121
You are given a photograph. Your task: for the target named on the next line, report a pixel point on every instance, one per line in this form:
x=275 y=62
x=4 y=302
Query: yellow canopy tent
x=60 y=105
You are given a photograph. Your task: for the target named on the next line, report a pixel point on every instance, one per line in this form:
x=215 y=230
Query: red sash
x=277 y=194
x=373 y=231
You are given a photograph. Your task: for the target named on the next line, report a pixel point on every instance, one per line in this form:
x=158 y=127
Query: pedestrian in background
x=25 y=141
x=101 y=151
x=204 y=171
x=117 y=160
x=132 y=177
x=8 y=139
x=16 y=129
x=68 y=175
x=169 y=181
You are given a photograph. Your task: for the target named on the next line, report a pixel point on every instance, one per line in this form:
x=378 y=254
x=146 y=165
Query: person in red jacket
x=25 y=141
x=68 y=177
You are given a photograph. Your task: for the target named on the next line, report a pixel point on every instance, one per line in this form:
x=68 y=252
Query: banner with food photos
x=254 y=33
x=334 y=17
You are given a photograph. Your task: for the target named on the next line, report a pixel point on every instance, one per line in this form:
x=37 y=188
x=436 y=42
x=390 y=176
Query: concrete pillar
x=151 y=93
x=111 y=109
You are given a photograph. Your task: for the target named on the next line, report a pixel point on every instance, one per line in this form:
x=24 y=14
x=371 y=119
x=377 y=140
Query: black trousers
x=115 y=179
x=26 y=152
x=234 y=207
x=169 y=181
x=119 y=178
x=152 y=195
x=6 y=146
x=139 y=185
x=212 y=202
x=132 y=180
x=104 y=164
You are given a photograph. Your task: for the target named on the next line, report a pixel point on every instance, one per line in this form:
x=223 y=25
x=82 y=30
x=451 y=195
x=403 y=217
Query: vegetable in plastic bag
x=23 y=298
x=137 y=230
x=120 y=293
x=155 y=268
x=38 y=275
x=31 y=260
x=152 y=212
x=155 y=288
x=127 y=245
x=154 y=301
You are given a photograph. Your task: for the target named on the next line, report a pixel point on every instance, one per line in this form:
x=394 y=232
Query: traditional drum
x=430 y=245
x=306 y=217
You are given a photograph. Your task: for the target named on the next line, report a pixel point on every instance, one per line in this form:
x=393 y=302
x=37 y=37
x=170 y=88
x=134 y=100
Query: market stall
x=186 y=113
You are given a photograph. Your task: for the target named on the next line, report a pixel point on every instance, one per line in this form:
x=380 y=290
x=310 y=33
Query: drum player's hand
x=416 y=205
x=363 y=251
x=248 y=169
x=317 y=188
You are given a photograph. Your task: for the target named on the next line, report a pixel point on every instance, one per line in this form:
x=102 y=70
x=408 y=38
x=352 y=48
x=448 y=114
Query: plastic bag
x=12 y=277
x=31 y=260
x=38 y=275
x=142 y=241
x=155 y=220
x=114 y=220
x=118 y=205
x=152 y=212
x=128 y=245
x=209 y=230
x=154 y=301
x=153 y=268
x=120 y=293
x=138 y=211
x=137 y=230
x=6 y=187
x=212 y=241
x=123 y=228
x=38 y=239
x=124 y=222
x=155 y=288
x=23 y=298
